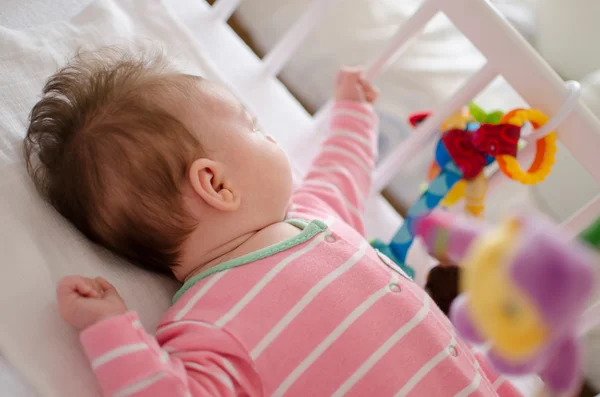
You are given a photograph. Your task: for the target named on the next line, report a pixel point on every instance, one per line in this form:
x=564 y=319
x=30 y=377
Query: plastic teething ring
x=545 y=149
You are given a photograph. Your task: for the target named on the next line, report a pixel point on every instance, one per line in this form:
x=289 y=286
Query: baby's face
x=257 y=166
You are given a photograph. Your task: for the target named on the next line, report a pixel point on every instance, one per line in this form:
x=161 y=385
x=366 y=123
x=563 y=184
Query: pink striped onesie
x=320 y=314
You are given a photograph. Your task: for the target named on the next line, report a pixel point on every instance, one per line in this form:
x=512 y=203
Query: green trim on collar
x=309 y=230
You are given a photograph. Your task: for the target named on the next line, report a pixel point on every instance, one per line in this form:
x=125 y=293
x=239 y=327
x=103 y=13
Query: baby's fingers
x=105 y=285
x=371 y=92
x=88 y=288
x=351 y=73
x=108 y=290
x=75 y=285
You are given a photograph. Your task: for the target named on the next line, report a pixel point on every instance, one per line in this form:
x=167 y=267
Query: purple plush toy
x=525 y=285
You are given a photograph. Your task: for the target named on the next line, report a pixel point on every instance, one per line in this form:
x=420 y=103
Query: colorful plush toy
x=524 y=287
x=471 y=140
x=452 y=146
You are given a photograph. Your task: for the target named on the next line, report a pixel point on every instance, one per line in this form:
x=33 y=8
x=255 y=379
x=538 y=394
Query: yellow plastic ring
x=545 y=155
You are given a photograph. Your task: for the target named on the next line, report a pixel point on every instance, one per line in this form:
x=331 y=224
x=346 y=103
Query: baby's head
x=153 y=164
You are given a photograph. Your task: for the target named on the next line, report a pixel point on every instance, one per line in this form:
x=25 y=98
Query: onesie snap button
x=453 y=351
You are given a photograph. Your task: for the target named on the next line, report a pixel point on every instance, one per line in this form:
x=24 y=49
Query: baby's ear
x=207 y=178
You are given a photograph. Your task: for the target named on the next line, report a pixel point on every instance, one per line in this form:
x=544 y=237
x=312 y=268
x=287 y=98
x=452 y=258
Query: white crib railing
x=405 y=33
x=223 y=9
x=281 y=53
x=507 y=54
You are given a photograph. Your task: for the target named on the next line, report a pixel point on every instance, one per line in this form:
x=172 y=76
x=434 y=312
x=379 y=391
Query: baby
x=282 y=295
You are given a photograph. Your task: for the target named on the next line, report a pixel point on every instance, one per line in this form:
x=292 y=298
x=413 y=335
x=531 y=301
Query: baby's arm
x=339 y=180
x=193 y=358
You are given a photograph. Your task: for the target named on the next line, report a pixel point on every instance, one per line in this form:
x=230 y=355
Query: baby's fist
x=352 y=86
x=84 y=301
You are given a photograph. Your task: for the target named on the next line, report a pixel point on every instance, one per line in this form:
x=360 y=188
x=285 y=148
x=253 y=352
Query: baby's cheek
x=281 y=182
x=286 y=171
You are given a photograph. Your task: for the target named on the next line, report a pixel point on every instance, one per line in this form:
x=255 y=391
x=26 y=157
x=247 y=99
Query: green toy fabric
x=482 y=117
x=591 y=235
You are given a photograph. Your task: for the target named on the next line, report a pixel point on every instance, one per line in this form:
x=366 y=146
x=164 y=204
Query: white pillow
x=37 y=246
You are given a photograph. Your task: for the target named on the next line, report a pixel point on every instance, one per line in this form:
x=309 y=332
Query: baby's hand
x=83 y=301
x=351 y=85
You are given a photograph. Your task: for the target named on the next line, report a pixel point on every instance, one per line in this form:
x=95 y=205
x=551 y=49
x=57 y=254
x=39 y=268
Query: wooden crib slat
x=405 y=33
x=589 y=319
x=582 y=218
x=409 y=148
x=223 y=9
x=283 y=50
x=394 y=47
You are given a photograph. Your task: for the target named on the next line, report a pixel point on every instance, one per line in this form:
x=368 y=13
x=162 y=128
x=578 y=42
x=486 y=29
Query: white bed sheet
x=12 y=383
x=37 y=246
x=19 y=14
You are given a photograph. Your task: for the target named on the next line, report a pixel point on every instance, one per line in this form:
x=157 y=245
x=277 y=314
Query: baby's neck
x=240 y=246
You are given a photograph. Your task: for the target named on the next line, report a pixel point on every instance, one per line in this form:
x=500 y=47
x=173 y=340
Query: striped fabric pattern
x=327 y=317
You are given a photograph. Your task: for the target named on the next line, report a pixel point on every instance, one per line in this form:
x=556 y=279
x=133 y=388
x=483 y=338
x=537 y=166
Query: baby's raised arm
x=339 y=180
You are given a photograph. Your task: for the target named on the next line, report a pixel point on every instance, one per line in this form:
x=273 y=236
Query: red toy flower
x=468 y=150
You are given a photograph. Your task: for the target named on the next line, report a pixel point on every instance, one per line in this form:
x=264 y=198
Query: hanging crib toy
x=524 y=286
x=471 y=140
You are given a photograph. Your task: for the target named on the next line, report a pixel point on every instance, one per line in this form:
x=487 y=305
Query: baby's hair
x=110 y=158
